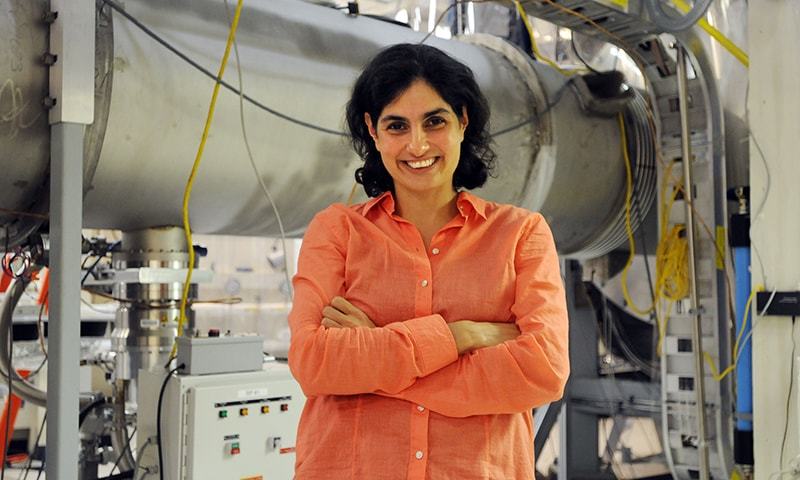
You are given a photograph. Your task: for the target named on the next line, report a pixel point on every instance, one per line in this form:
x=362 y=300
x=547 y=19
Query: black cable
x=158 y=419
x=90 y=269
x=35 y=446
x=119 y=476
x=788 y=397
x=88 y=409
x=113 y=4
x=558 y=95
x=124 y=450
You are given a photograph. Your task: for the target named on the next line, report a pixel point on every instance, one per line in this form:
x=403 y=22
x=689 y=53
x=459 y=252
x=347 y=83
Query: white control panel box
x=237 y=426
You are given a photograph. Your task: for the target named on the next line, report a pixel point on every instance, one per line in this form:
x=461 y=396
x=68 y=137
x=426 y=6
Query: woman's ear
x=464 y=120
x=371 y=127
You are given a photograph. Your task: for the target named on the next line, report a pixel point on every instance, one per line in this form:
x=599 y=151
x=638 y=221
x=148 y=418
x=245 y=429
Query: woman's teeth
x=421 y=163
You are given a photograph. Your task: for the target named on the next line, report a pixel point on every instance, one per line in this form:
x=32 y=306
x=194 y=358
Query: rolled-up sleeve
x=520 y=374
x=345 y=361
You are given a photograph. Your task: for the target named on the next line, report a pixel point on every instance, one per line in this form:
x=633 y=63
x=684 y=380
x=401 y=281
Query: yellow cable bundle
x=187 y=193
x=535 y=49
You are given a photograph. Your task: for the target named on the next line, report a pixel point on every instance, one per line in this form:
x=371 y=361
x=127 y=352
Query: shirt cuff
x=434 y=344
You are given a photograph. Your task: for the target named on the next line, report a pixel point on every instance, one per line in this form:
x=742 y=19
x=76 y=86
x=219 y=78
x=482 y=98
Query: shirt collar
x=466 y=204
x=385 y=199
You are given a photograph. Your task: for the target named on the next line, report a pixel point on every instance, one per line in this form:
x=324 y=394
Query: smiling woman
x=427 y=322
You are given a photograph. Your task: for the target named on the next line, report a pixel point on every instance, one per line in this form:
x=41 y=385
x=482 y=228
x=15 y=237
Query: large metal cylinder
x=146 y=321
x=300 y=59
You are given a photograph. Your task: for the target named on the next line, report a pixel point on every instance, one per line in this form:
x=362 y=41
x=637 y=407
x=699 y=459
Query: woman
x=427 y=322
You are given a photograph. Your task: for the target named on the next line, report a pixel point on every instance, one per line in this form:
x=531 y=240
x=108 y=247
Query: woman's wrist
x=464 y=335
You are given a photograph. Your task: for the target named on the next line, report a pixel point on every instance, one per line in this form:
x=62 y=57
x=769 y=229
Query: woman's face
x=419 y=138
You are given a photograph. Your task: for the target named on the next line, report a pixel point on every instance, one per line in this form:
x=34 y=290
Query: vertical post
x=71 y=56
x=578 y=429
x=66 y=192
x=697 y=334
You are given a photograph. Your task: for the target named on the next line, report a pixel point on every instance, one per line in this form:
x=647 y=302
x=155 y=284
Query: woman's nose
x=418 y=144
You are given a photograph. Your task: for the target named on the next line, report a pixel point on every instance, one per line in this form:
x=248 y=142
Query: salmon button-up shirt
x=397 y=401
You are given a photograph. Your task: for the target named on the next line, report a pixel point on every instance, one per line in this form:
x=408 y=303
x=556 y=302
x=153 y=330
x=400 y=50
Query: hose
x=21 y=387
x=672 y=23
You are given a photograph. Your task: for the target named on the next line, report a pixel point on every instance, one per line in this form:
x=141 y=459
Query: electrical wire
x=258 y=175
x=158 y=417
x=119 y=9
x=789 y=396
x=187 y=193
x=537 y=54
x=35 y=445
x=726 y=42
x=738 y=344
x=124 y=451
x=628 y=228
x=9 y=401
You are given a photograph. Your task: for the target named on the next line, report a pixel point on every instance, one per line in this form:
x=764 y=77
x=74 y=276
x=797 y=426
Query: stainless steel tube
x=697 y=334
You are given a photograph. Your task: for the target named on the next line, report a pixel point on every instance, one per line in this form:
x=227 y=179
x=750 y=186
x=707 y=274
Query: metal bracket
x=72 y=35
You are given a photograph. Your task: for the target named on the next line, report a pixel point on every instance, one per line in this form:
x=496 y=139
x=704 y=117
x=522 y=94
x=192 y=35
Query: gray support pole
x=63 y=379
x=72 y=37
x=578 y=455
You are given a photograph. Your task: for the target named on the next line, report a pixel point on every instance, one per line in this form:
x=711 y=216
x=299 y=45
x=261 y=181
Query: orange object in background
x=44 y=298
x=9 y=417
x=5 y=281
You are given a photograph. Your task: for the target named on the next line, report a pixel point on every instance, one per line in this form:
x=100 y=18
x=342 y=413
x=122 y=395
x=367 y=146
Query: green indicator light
x=223 y=414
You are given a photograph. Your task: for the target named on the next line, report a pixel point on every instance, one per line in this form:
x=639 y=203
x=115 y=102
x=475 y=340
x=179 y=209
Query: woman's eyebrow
x=392 y=118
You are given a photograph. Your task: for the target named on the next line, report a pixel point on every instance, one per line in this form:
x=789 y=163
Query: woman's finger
x=343 y=305
x=327 y=322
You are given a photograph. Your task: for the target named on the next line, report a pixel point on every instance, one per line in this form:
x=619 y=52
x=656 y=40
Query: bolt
x=49 y=17
x=49 y=58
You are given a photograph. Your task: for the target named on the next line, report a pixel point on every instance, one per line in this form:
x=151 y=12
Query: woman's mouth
x=420 y=164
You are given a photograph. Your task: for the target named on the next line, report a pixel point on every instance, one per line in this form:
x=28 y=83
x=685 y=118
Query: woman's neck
x=429 y=212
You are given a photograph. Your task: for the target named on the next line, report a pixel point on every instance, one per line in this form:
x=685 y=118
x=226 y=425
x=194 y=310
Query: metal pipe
x=697 y=334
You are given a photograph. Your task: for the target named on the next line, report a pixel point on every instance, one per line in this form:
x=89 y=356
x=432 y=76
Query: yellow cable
x=726 y=42
x=187 y=193
x=628 y=229
x=748 y=313
x=535 y=49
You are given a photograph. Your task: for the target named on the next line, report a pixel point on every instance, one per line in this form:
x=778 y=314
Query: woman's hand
x=471 y=335
x=343 y=314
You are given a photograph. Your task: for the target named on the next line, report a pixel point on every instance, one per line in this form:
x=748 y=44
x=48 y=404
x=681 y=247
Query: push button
x=235 y=448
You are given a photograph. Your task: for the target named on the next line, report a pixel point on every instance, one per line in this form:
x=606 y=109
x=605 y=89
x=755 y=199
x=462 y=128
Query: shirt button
x=418 y=455
x=435 y=251
x=420 y=408
x=424 y=283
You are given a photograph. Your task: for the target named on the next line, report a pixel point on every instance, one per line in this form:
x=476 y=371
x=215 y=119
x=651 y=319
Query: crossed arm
x=457 y=369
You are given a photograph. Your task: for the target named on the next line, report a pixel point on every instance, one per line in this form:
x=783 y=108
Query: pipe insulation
x=299 y=59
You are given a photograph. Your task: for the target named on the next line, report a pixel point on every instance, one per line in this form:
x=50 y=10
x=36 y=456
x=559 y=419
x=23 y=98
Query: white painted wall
x=774 y=118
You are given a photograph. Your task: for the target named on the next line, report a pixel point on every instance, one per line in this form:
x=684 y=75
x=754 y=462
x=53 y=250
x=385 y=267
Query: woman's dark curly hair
x=387 y=76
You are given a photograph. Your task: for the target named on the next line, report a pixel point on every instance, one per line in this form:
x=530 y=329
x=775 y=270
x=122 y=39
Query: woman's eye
x=435 y=121
x=396 y=126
